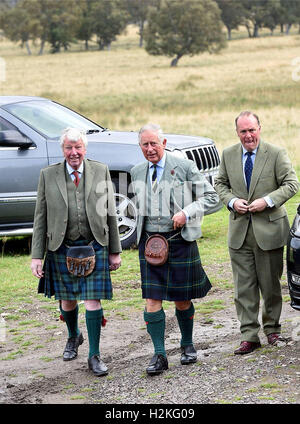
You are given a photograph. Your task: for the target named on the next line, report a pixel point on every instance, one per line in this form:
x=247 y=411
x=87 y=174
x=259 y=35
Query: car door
x=20 y=168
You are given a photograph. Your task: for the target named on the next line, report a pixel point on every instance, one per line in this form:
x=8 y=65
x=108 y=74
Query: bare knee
x=92 y=305
x=183 y=305
x=153 y=305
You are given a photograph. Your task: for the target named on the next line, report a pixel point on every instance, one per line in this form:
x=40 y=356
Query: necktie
x=77 y=179
x=248 y=169
x=154 y=177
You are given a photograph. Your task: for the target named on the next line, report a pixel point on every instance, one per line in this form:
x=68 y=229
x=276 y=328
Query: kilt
x=180 y=278
x=59 y=282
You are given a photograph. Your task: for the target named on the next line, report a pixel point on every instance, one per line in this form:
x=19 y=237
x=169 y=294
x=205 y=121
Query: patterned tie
x=77 y=179
x=248 y=169
x=154 y=177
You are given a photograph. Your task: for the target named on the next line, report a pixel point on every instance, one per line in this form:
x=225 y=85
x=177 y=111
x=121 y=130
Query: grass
x=125 y=88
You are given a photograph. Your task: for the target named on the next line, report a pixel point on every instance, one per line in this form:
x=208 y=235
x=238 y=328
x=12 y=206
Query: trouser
x=257 y=271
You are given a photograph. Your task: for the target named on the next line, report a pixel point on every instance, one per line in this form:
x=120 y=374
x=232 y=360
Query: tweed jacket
x=184 y=186
x=51 y=212
x=272 y=176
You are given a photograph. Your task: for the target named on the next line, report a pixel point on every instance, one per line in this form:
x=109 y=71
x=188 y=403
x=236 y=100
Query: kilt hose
x=180 y=278
x=59 y=282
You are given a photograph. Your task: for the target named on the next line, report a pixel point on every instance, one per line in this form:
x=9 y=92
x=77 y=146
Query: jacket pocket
x=279 y=213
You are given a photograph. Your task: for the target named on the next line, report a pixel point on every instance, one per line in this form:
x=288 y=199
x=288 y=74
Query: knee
x=92 y=305
x=153 y=305
x=183 y=305
x=68 y=305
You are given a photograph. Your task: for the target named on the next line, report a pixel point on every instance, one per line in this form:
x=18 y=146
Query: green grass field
x=125 y=88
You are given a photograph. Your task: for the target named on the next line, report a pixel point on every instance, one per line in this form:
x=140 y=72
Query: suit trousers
x=257 y=271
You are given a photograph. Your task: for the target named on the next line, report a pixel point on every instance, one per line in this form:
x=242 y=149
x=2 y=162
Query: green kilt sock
x=156 y=323
x=186 y=322
x=93 y=321
x=71 y=319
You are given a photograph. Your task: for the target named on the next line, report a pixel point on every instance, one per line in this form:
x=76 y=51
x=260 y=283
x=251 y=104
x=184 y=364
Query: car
x=293 y=261
x=30 y=128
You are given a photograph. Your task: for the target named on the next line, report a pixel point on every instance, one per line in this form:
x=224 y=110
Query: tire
x=126 y=213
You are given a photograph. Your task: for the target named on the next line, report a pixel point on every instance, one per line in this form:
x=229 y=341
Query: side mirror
x=12 y=138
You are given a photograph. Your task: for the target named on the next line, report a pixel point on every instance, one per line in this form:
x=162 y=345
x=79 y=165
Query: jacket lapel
x=61 y=181
x=260 y=160
x=169 y=174
x=88 y=178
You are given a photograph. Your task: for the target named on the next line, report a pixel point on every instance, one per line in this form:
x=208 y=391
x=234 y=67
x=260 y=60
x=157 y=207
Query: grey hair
x=247 y=113
x=73 y=134
x=153 y=128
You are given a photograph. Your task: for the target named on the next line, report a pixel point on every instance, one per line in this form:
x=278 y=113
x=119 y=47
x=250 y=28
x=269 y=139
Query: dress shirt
x=71 y=170
x=160 y=169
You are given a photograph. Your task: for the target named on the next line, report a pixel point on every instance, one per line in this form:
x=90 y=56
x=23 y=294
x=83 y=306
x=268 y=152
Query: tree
x=109 y=20
x=85 y=29
x=232 y=14
x=184 y=27
x=138 y=11
x=18 y=24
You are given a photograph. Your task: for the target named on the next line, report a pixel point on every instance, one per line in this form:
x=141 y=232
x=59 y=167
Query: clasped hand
x=241 y=206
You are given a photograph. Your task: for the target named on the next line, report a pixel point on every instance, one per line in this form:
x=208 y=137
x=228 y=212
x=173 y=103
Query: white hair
x=73 y=134
x=153 y=128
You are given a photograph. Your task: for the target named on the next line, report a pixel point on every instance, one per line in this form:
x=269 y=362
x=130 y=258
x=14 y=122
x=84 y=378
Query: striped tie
x=77 y=179
x=154 y=178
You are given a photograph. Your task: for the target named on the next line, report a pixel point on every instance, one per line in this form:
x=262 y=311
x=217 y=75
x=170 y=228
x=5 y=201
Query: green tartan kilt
x=59 y=282
x=180 y=278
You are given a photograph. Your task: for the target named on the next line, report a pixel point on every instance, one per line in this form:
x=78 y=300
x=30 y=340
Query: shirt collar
x=161 y=163
x=71 y=170
x=245 y=151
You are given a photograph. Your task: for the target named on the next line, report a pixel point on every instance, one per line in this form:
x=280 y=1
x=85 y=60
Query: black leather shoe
x=188 y=355
x=157 y=365
x=97 y=366
x=71 y=349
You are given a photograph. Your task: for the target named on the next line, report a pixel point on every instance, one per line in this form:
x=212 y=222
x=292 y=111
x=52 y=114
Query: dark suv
x=30 y=128
x=293 y=262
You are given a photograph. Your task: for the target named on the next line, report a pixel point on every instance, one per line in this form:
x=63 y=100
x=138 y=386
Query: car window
x=49 y=118
x=5 y=125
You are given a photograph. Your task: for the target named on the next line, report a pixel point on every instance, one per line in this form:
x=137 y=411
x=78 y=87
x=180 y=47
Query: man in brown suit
x=254 y=181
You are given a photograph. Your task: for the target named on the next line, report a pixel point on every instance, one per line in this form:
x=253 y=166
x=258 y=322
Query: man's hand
x=241 y=206
x=37 y=267
x=114 y=260
x=179 y=219
x=258 y=205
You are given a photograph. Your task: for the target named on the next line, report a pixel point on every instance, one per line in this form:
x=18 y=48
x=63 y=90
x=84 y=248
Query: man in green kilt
x=172 y=196
x=75 y=211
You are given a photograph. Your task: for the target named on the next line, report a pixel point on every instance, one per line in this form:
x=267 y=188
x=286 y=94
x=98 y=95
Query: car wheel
x=126 y=213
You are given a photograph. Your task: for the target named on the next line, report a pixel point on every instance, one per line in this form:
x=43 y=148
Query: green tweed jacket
x=183 y=186
x=51 y=212
x=272 y=176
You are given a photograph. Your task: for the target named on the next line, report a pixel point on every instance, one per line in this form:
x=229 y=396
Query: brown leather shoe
x=273 y=338
x=247 y=347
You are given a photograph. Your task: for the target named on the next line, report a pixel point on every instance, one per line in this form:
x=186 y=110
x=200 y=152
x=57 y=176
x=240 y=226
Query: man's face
x=74 y=152
x=248 y=131
x=152 y=147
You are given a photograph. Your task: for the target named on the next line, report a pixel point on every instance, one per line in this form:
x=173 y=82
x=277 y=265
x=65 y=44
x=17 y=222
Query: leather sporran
x=156 y=250
x=80 y=260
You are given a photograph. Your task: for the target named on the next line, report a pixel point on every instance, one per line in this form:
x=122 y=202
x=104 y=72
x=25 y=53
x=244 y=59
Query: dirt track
x=268 y=375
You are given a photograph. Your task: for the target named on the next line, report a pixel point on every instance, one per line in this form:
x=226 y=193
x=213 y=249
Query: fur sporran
x=80 y=260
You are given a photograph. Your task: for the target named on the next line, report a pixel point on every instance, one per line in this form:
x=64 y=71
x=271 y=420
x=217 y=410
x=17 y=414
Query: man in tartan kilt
x=75 y=207
x=172 y=196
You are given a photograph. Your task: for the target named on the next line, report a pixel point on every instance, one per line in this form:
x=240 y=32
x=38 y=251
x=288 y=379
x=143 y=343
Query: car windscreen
x=49 y=118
